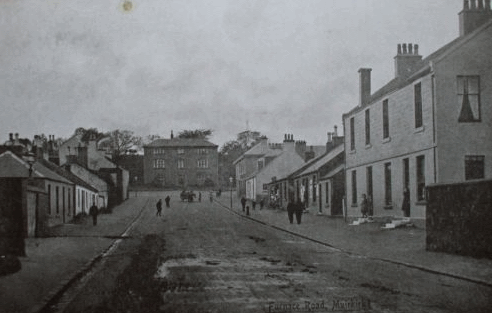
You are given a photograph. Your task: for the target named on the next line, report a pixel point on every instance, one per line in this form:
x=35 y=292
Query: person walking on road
x=167 y=199
x=262 y=203
x=253 y=202
x=158 y=205
x=291 y=209
x=299 y=207
x=243 y=203
x=199 y=197
x=93 y=211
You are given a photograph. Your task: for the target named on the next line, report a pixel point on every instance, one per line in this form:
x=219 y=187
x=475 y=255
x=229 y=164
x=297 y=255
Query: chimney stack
x=474 y=15
x=172 y=135
x=407 y=60
x=364 y=86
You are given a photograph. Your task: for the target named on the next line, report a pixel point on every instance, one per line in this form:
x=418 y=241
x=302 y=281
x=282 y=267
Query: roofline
x=18 y=159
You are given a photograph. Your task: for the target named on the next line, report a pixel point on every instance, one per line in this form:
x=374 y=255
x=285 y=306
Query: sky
x=152 y=66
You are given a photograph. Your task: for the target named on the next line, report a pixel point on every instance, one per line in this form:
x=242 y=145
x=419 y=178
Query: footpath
x=52 y=262
x=404 y=246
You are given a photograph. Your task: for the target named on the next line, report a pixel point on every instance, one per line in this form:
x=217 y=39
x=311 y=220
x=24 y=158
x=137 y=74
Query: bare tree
x=121 y=141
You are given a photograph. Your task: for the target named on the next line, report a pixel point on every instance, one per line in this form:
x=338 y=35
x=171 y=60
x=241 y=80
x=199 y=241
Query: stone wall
x=459 y=218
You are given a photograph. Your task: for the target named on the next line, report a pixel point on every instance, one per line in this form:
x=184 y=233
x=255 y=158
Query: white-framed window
x=181 y=151
x=469 y=98
x=202 y=163
x=159 y=163
x=158 y=151
x=181 y=163
x=202 y=151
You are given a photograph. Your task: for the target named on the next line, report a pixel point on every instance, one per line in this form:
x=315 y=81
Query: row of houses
x=430 y=124
x=51 y=184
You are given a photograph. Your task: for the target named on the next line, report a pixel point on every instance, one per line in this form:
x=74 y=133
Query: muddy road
x=199 y=257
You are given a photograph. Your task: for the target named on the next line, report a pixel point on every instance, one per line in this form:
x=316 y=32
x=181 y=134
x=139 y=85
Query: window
x=406 y=173
x=327 y=193
x=369 y=181
x=418 y=105
x=69 y=196
x=158 y=151
x=260 y=164
x=352 y=133
x=202 y=151
x=469 y=98
x=474 y=167
x=314 y=188
x=159 y=163
x=203 y=163
x=386 y=129
x=387 y=184
x=181 y=163
x=368 y=128
x=49 y=199
x=420 y=178
x=354 y=188
x=57 y=199
x=63 y=196
x=181 y=151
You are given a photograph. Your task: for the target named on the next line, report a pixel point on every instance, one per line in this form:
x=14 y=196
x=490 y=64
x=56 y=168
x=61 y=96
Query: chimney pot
x=480 y=4
x=398 y=49
x=172 y=135
x=11 y=136
x=473 y=4
x=416 y=49
x=336 y=130
x=410 y=48
x=466 y=5
x=404 y=48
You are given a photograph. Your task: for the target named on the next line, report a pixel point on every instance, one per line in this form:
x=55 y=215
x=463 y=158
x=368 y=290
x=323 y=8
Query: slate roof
x=68 y=175
x=180 y=142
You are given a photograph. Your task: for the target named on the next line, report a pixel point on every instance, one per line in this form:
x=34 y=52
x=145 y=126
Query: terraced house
x=179 y=162
x=432 y=123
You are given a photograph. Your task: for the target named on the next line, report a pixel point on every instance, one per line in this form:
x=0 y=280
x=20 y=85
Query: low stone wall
x=459 y=218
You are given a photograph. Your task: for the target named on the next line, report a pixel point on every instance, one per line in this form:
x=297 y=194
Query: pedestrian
x=243 y=203
x=211 y=196
x=167 y=199
x=199 y=197
x=364 y=205
x=262 y=203
x=93 y=211
x=158 y=206
x=291 y=209
x=299 y=207
x=253 y=202
x=247 y=210
x=406 y=202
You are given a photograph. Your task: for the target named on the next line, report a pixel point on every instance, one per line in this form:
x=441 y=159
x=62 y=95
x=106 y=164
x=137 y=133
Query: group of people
x=295 y=208
x=159 y=205
x=253 y=204
x=367 y=210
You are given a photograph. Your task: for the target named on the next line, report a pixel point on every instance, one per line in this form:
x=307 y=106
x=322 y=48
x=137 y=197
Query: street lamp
x=230 y=181
x=30 y=159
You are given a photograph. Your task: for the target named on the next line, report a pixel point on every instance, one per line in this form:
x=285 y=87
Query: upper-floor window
x=352 y=133
x=469 y=98
x=368 y=127
x=202 y=163
x=202 y=151
x=158 y=151
x=181 y=163
x=181 y=151
x=260 y=164
x=474 y=167
x=386 y=129
x=418 y=105
x=159 y=163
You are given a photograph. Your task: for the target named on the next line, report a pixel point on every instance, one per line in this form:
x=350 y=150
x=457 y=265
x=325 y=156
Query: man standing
x=291 y=208
x=243 y=203
x=299 y=210
x=159 y=207
x=167 y=199
x=93 y=211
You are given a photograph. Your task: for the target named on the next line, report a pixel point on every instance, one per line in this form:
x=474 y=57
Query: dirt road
x=198 y=257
